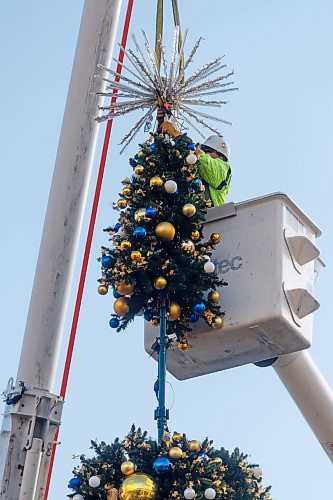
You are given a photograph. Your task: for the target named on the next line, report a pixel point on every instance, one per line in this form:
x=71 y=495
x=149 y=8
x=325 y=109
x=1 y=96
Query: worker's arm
x=212 y=170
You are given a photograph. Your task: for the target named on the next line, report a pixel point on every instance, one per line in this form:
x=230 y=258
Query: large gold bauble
x=138 y=487
x=194 y=445
x=102 y=289
x=165 y=231
x=136 y=256
x=156 y=182
x=139 y=170
x=141 y=153
x=188 y=246
x=217 y=460
x=160 y=283
x=177 y=437
x=122 y=203
x=214 y=296
x=215 y=238
x=127 y=191
x=217 y=322
x=183 y=345
x=127 y=468
x=175 y=453
x=189 y=210
x=125 y=288
x=195 y=235
x=140 y=215
x=121 y=306
x=174 y=312
x=125 y=245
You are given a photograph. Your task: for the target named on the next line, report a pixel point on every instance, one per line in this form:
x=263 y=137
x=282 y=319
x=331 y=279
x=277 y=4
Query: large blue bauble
x=117 y=227
x=114 y=322
x=140 y=233
x=74 y=483
x=199 y=308
x=148 y=315
x=116 y=294
x=152 y=146
x=191 y=146
x=151 y=212
x=107 y=261
x=194 y=318
x=162 y=465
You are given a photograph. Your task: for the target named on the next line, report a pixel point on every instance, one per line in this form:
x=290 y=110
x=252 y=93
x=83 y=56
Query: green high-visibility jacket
x=217 y=174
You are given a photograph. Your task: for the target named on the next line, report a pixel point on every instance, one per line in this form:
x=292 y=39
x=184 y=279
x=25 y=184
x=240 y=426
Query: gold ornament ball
x=195 y=235
x=217 y=460
x=175 y=453
x=194 y=445
x=122 y=203
x=127 y=468
x=139 y=170
x=125 y=245
x=174 y=312
x=156 y=182
x=189 y=210
x=177 y=437
x=215 y=238
x=125 y=288
x=214 y=296
x=140 y=215
x=154 y=322
x=127 y=191
x=217 y=322
x=136 y=256
x=188 y=246
x=141 y=153
x=138 y=487
x=121 y=306
x=160 y=283
x=102 y=289
x=183 y=345
x=165 y=231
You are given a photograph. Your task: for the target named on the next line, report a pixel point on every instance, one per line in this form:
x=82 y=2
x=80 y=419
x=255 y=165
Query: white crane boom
x=33 y=413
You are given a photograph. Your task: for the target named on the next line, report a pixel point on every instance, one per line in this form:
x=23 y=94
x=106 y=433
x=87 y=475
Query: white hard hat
x=219 y=144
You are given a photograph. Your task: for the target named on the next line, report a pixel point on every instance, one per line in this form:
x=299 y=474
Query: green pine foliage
x=179 y=260
x=229 y=474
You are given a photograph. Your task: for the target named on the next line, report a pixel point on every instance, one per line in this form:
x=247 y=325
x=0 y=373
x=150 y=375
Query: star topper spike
x=146 y=89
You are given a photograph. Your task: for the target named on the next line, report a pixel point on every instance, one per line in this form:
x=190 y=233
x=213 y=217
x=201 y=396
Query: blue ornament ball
x=162 y=465
x=117 y=227
x=107 y=261
x=191 y=146
x=199 y=308
x=114 y=322
x=74 y=483
x=148 y=315
x=152 y=146
x=140 y=233
x=194 y=318
x=116 y=294
x=151 y=212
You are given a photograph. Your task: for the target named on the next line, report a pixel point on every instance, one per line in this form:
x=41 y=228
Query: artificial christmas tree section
x=137 y=468
x=269 y=259
x=157 y=246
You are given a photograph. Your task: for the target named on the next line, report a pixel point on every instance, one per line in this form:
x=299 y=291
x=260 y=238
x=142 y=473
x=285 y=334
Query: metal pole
x=311 y=393
x=161 y=414
x=37 y=414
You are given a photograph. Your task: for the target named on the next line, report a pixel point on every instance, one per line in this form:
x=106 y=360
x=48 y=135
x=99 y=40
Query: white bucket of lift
x=269 y=259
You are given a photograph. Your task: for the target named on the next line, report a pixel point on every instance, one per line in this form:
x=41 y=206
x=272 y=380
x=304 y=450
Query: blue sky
x=280 y=140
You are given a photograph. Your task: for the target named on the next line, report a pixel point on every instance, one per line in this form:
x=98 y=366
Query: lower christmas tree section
x=137 y=468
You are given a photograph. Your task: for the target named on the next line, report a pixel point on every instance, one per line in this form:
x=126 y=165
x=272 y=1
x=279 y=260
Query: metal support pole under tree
x=161 y=414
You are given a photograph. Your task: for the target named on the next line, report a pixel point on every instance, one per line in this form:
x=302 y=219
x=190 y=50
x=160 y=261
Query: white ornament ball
x=170 y=186
x=189 y=493
x=121 y=232
x=191 y=159
x=257 y=472
x=206 y=257
x=94 y=481
x=78 y=497
x=209 y=267
x=210 y=493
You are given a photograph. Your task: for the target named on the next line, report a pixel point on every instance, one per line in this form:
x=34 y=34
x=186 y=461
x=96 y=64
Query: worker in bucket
x=214 y=169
